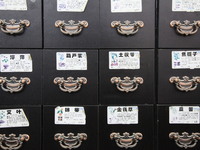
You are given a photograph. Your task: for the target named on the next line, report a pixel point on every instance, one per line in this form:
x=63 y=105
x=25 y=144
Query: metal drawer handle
x=127 y=28
x=70 y=85
x=127 y=85
x=13 y=27
x=185 y=140
x=71 y=28
x=126 y=140
x=186 y=84
x=185 y=28
x=12 y=142
x=70 y=141
x=13 y=85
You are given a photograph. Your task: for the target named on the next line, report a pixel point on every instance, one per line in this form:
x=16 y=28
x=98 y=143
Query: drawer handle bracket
x=70 y=85
x=127 y=85
x=13 y=85
x=12 y=142
x=126 y=140
x=71 y=28
x=13 y=27
x=127 y=28
x=186 y=84
x=185 y=28
x=70 y=141
x=185 y=140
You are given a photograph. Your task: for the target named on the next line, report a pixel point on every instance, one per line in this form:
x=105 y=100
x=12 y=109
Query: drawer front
x=66 y=92
x=166 y=139
x=128 y=37
x=87 y=38
x=90 y=129
x=128 y=91
x=22 y=34
x=31 y=133
x=25 y=91
x=180 y=92
x=144 y=131
x=177 y=34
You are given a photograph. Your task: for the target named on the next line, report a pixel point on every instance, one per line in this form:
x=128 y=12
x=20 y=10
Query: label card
x=124 y=60
x=71 y=61
x=184 y=115
x=186 y=5
x=122 y=115
x=13 y=5
x=70 y=115
x=119 y=6
x=185 y=59
x=10 y=118
x=16 y=63
x=71 y=5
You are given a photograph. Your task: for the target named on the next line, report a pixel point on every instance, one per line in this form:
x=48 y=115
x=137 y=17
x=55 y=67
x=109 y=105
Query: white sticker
x=185 y=59
x=10 y=118
x=186 y=5
x=13 y=5
x=126 y=6
x=71 y=5
x=124 y=60
x=122 y=115
x=16 y=63
x=71 y=61
x=70 y=115
x=184 y=115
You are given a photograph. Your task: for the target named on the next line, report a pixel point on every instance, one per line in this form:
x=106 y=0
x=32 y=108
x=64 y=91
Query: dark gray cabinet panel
x=32 y=35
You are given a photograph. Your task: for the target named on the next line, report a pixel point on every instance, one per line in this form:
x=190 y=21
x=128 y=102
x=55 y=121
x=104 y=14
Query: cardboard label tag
x=122 y=115
x=71 y=61
x=16 y=63
x=185 y=59
x=123 y=6
x=124 y=60
x=70 y=115
x=10 y=118
x=184 y=115
x=71 y=5
x=13 y=5
x=186 y=5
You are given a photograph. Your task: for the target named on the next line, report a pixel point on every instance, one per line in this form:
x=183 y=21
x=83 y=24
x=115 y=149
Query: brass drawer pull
x=126 y=140
x=186 y=84
x=70 y=85
x=127 y=85
x=12 y=142
x=71 y=28
x=185 y=140
x=13 y=85
x=13 y=27
x=127 y=28
x=70 y=141
x=185 y=28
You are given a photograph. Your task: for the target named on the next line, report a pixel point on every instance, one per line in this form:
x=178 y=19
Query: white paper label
x=71 y=61
x=13 y=5
x=185 y=59
x=126 y=6
x=184 y=114
x=10 y=118
x=16 y=63
x=122 y=115
x=186 y=5
x=124 y=60
x=70 y=115
x=71 y=5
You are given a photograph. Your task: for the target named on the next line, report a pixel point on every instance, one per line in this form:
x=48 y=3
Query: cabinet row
x=104 y=127
x=99 y=24
x=85 y=77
